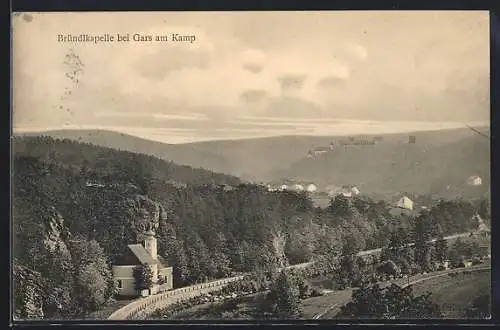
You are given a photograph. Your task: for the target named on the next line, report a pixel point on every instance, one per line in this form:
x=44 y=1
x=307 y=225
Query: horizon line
x=41 y=131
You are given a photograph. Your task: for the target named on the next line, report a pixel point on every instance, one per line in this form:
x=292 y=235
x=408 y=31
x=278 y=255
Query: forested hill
x=438 y=163
x=67 y=232
x=107 y=164
x=393 y=167
x=178 y=153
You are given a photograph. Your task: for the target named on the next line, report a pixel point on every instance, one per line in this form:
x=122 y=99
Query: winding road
x=129 y=311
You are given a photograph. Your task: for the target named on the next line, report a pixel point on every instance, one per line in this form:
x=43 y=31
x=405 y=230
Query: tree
x=389 y=268
x=285 y=295
x=397 y=249
x=393 y=302
x=484 y=209
x=220 y=256
x=367 y=302
x=94 y=285
x=93 y=288
x=176 y=254
x=422 y=247
x=349 y=272
x=456 y=252
x=340 y=206
x=143 y=276
x=441 y=250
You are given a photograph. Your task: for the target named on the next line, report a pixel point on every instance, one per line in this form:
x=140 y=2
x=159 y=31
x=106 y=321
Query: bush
x=229 y=315
x=315 y=292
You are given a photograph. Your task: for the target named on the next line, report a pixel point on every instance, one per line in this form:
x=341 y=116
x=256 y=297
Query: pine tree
x=286 y=293
x=94 y=279
x=422 y=248
x=441 y=249
x=340 y=206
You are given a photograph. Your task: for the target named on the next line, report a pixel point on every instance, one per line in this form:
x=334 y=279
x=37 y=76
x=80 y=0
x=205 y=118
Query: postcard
x=255 y=166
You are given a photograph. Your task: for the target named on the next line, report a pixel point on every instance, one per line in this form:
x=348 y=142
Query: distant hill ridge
x=106 y=161
x=436 y=159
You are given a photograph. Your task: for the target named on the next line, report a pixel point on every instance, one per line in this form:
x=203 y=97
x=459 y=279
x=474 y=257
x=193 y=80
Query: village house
x=443 y=265
x=283 y=187
x=177 y=184
x=227 y=187
x=311 y=188
x=271 y=188
x=466 y=264
x=482 y=227
x=405 y=203
x=346 y=190
x=474 y=180
x=318 y=151
x=141 y=255
x=355 y=191
x=94 y=184
x=349 y=191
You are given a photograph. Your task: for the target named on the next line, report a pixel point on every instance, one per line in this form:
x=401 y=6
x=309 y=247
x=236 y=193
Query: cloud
x=249 y=64
x=357 y=51
x=330 y=81
x=288 y=82
x=253 y=96
x=252 y=55
x=160 y=64
x=293 y=107
x=253 y=60
x=161 y=116
x=253 y=67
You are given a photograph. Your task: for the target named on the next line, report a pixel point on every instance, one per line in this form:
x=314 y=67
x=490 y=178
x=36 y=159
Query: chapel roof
x=142 y=255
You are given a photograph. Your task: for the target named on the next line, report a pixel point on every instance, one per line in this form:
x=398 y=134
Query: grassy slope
x=456 y=294
x=434 y=284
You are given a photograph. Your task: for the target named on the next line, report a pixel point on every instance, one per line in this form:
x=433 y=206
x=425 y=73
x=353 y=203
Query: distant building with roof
x=405 y=203
x=142 y=255
x=346 y=191
x=474 y=180
x=297 y=187
x=311 y=188
x=320 y=150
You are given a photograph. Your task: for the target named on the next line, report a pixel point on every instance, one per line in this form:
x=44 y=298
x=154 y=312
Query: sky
x=252 y=74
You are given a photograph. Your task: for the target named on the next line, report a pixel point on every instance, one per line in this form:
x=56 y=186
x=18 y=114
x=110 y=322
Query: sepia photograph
x=250 y=165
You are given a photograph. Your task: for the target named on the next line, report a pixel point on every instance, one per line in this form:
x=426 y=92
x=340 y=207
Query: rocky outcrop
x=147 y=214
x=278 y=240
x=43 y=275
x=28 y=297
x=55 y=233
